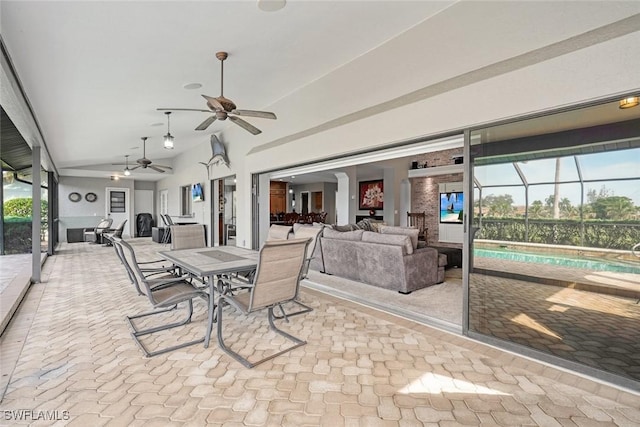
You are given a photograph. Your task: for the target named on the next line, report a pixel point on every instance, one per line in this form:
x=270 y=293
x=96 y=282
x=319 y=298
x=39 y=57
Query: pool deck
x=606 y=282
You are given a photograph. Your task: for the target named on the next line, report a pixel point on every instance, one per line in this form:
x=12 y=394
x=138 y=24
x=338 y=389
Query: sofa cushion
x=407 y=231
x=401 y=240
x=279 y=232
x=343 y=235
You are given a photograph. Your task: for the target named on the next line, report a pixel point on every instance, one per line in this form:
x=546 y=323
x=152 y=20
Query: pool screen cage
x=585 y=196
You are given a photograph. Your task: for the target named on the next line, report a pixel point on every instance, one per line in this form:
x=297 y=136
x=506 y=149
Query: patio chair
x=164 y=294
x=149 y=269
x=276 y=281
x=168 y=222
x=115 y=232
x=94 y=235
x=418 y=220
x=187 y=236
x=312 y=233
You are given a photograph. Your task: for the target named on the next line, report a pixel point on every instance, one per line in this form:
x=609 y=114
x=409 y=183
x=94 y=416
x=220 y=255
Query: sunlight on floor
x=524 y=320
x=434 y=384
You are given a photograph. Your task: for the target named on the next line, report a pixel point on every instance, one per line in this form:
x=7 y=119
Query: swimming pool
x=560 y=260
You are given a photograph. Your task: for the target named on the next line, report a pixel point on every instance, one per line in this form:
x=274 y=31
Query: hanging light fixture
x=168 y=139
x=629 y=102
x=127 y=171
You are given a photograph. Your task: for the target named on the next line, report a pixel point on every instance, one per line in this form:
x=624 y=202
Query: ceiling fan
x=145 y=163
x=224 y=108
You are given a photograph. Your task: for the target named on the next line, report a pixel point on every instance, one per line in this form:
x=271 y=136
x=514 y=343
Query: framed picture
x=371 y=194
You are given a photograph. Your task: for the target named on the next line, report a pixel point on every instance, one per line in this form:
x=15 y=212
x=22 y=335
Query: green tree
x=614 y=208
x=536 y=210
x=499 y=206
x=23 y=208
x=592 y=195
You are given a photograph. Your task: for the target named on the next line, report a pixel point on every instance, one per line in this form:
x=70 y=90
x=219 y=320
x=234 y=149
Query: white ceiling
x=95 y=72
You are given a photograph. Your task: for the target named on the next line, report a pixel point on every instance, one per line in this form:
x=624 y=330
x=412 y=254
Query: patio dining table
x=210 y=263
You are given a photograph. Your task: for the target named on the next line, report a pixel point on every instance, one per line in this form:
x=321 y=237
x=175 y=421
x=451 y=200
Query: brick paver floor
x=361 y=367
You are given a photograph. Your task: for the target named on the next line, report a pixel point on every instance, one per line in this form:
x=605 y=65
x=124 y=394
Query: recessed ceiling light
x=629 y=102
x=192 y=86
x=271 y=5
x=157 y=124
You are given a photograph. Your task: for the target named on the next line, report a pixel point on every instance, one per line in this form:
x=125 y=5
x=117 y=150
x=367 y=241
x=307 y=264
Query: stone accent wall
x=425 y=192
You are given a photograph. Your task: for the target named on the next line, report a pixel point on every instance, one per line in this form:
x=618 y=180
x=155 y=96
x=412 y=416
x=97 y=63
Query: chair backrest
x=103 y=225
x=308 y=232
x=278 y=274
x=417 y=220
x=128 y=258
x=187 y=236
x=168 y=220
x=279 y=232
x=117 y=232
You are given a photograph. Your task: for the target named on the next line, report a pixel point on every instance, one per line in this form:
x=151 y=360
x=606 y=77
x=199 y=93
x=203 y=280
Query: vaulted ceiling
x=96 y=72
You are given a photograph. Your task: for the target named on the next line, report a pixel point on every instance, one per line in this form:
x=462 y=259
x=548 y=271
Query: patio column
x=36 y=220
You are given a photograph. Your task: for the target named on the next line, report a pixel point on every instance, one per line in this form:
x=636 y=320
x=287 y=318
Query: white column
x=36 y=219
x=342 y=199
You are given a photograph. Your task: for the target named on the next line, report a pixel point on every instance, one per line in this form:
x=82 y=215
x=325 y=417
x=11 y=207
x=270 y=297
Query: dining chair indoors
x=276 y=281
x=164 y=294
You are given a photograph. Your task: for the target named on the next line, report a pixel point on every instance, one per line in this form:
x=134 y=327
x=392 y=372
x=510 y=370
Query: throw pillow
x=342 y=228
x=390 y=239
x=407 y=231
x=343 y=235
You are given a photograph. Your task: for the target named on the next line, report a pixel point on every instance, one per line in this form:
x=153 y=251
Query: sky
x=604 y=165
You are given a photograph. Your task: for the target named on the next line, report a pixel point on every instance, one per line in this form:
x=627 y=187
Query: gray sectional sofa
x=390 y=261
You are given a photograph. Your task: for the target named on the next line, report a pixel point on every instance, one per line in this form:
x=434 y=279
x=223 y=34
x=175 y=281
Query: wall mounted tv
x=197 y=194
x=451 y=208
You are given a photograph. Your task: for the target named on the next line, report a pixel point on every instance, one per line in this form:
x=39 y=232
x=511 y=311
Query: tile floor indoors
x=69 y=349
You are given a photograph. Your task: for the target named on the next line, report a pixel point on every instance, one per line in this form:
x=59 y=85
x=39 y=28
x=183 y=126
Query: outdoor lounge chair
x=94 y=235
x=164 y=294
x=276 y=281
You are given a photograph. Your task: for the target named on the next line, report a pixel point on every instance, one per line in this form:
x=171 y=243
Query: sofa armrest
x=421 y=268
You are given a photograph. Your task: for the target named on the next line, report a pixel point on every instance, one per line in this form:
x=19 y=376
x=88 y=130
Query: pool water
x=562 y=261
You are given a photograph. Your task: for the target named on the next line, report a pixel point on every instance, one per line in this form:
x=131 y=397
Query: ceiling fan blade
x=206 y=123
x=163 y=166
x=182 y=109
x=252 y=113
x=134 y=168
x=216 y=104
x=155 y=168
x=245 y=125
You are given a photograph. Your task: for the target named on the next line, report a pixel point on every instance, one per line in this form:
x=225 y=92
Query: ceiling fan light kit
x=223 y=108
x=127 y=171
x=168 y=139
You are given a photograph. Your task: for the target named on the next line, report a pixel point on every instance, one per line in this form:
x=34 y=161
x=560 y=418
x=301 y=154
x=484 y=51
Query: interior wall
x=570 y=77
x=82 y=213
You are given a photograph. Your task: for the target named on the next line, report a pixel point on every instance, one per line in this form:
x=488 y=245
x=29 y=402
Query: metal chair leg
x=137 y=333
x=298 y=342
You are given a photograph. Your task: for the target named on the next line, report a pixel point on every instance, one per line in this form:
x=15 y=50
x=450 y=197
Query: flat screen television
x=197 y=194
x=451 y=207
